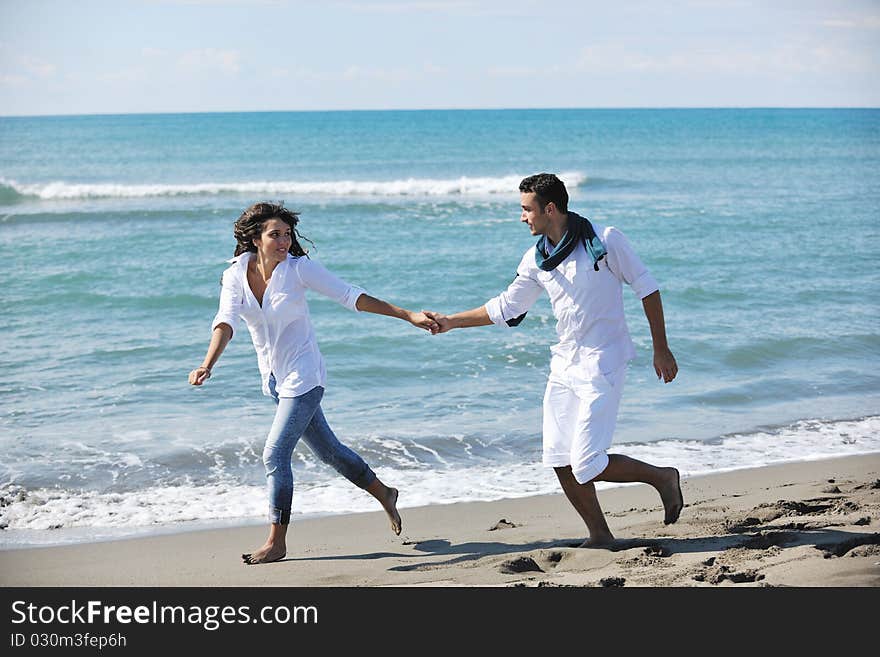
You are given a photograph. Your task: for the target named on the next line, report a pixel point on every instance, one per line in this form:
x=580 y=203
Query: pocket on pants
x=615 y=378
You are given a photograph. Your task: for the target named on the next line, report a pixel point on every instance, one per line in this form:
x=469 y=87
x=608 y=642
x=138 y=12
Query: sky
x=146 y=56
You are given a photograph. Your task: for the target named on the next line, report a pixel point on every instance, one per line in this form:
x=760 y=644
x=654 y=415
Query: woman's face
x=274 y=242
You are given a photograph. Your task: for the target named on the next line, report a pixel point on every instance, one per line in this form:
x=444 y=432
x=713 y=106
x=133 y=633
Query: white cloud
x=133 y=74
x=22 y=70
x=396 y=7
x=225 y=61
x=153 y=53
x=228 y=3
x=785 y=59
x=449 y=7
x=433 y=69
x=303 y=74
x=393 y=75
x=864 y=22
x=523 y=71
x=12 y=80
x=36 y=67
x=356 y=73
x=721 y=4
x=792 y=59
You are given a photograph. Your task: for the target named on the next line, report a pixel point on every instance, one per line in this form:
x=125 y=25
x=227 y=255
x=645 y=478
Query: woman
x=265 y=286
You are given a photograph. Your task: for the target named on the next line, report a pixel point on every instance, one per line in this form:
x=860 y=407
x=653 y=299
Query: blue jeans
x=298 y=417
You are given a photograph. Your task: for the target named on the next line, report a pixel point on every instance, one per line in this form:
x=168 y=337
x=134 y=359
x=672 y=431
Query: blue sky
x=123 y=56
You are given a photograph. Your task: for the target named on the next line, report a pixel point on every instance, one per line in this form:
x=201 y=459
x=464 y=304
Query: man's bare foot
x=670 y=493
x=390 y=506
x=603 y=541
x=266 y=554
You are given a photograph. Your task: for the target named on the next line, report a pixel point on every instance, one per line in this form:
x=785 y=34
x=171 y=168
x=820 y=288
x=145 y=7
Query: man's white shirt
x=588 y=304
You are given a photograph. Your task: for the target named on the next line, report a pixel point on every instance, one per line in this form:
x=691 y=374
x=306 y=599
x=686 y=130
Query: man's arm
x=468 y=318
x=502 y=310
x=664 y=362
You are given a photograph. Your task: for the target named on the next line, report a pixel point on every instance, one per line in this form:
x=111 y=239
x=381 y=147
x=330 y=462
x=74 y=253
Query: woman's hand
x=423 y=321
x=199 y=375
x=443 y=323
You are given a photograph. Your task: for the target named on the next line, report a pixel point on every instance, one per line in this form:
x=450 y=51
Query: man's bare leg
x=583 y=499
x=274 y=549
x=387 y=497
x=665 y=480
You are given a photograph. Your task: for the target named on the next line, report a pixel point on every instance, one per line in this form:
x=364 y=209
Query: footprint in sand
x=555 y=557
x=764 y=540
x=720 y=573
x=519 y=565
x=656 y=551
x=502 y=524
x=840 y=549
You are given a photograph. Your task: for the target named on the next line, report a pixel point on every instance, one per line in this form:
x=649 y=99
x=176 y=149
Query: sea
x=761 y=226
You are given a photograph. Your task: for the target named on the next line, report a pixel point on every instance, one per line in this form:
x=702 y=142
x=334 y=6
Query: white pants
x=580 y=414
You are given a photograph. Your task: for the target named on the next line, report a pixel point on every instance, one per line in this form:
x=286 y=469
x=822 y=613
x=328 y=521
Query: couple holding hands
x=580 y=265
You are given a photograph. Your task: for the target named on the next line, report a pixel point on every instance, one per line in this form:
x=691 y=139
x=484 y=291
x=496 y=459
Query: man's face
x=532 y=214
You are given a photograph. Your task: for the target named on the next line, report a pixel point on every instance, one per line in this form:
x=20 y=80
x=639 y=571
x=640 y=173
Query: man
x=582 y=267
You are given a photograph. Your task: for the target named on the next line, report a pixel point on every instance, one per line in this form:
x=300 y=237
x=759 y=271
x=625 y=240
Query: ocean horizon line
x=402 y=110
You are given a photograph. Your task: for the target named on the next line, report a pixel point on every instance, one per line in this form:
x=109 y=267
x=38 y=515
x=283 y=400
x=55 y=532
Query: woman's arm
x=224 y=325
x=317 y=277
x=366 y=303
x=220 y=337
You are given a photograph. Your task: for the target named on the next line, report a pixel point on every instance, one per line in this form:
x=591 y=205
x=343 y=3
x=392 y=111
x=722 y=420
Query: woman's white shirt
x=281 y=329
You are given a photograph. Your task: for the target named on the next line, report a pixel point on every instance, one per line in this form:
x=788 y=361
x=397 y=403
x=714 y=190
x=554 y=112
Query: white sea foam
x=28 y=515
x=807 y=440
x=462 y=186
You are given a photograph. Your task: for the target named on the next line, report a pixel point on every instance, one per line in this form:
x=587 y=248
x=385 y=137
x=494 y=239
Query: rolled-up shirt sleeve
x=318 y=278
x=230 y=301
x=519 y=297
x=626 y=264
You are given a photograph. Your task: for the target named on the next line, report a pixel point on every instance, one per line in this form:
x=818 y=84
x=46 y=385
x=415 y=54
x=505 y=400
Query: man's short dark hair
x=547 y=187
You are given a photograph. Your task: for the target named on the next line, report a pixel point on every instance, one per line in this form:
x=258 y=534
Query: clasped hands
x=431 y=321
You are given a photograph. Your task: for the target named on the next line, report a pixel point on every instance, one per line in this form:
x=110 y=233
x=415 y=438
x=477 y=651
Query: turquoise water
x=761 y=226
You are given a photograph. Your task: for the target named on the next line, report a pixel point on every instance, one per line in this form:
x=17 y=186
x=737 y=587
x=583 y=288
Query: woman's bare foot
x=390 y=506
x=387 y=497
x=670 y=493
x=266 y=554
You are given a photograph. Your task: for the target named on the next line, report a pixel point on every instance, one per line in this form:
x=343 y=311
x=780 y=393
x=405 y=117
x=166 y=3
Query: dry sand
x=804 y=524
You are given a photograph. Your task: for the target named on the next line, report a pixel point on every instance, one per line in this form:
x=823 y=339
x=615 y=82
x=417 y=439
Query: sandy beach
x=811 y=524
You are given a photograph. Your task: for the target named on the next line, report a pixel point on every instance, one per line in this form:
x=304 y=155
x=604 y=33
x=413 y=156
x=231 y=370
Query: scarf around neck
x=579 y=230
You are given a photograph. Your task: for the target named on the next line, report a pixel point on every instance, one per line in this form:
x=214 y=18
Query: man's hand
x=665 y=365
x=424 y=320
x=443 y=323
